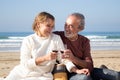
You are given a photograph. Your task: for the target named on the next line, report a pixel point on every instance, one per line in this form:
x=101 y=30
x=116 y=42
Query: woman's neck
x=39 y=34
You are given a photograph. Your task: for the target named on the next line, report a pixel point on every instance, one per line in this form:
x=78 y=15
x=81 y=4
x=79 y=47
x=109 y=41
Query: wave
x=10 y=45
x=15 y=37
x=105 y=40
x=102 y=37
x=96 y=37
x=11 y=37
x=9 y=40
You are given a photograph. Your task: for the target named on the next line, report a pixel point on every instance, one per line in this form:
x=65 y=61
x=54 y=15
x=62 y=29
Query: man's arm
x=87 y=63
x=80 y=71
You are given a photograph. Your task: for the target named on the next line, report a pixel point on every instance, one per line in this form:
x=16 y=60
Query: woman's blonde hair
x=41 y=18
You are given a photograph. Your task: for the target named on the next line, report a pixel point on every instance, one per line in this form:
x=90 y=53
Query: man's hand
x=83 y=71
x=80 y=71
x=68 y=55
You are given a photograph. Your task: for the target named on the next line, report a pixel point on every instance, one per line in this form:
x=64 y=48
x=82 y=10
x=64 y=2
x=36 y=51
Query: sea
x=11 y=41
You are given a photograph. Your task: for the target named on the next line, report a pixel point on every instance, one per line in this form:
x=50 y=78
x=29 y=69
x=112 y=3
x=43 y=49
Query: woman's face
x=46 y=28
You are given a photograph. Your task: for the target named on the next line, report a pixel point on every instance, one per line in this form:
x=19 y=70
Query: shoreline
x=110 y=58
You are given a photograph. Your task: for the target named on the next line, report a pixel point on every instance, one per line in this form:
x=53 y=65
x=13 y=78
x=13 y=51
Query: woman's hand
x=51 y=56
x=47 y=57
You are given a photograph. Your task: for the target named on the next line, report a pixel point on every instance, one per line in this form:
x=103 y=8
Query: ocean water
x=104 y=40
x=11 y=41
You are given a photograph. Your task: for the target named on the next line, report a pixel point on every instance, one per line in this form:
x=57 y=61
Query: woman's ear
x=38 y=25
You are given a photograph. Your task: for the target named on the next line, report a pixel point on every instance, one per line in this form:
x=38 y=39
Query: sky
x=100 y=15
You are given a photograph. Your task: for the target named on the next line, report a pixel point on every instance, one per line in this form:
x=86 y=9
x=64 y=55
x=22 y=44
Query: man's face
x=71 y=26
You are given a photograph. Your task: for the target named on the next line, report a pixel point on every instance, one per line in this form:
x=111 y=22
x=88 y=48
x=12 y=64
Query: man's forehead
x=72 y=19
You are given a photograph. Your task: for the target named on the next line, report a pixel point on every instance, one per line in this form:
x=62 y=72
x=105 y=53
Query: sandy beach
x=109 y=58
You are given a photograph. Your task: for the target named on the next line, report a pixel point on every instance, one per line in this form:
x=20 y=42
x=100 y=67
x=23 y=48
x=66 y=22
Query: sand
x=109 y=58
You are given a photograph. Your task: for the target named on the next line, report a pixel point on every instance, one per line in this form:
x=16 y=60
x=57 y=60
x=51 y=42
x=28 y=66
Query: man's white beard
x=70 y=35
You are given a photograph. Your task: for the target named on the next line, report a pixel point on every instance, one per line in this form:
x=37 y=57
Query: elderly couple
x=37 y=58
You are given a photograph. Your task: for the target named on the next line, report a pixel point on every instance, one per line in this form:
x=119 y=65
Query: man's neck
x=74 y=38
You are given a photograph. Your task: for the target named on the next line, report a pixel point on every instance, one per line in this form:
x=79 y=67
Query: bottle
x=60 y=72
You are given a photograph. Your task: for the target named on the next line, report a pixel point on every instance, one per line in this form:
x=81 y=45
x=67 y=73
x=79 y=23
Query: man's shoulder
x=83 y=37
x=59 y=32
x=54 y=35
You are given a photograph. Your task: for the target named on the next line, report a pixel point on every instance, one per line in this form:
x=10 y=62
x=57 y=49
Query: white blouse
x=32 y=47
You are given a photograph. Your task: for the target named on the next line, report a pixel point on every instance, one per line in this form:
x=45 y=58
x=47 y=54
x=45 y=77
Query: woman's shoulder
x=29 y=37
x=55 y=35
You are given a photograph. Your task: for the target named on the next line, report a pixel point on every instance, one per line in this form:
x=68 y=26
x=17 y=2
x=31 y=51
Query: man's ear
x=80 y=27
